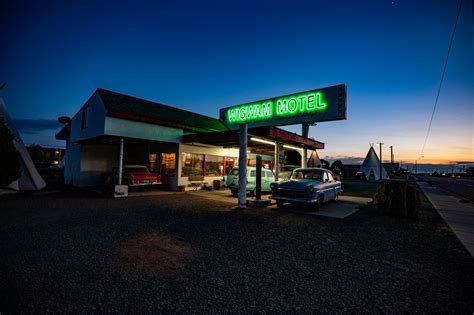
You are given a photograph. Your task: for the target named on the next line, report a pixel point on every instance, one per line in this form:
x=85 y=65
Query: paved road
x=461 y=187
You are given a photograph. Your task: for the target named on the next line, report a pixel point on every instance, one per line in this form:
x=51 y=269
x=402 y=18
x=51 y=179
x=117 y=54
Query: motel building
x=113 y=129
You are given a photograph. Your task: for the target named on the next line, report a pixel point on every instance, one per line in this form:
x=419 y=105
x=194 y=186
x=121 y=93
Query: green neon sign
x=292 y=105
x=310 y=106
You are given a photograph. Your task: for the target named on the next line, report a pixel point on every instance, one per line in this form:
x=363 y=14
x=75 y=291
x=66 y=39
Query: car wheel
x=234 y=192
x=319 y=202
x=279 y=204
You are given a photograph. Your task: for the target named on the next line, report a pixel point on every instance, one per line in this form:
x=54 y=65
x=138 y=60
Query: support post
x=120 y=163
x=304 y=158
x=258 y=179
x=277 y=160
x=243 y=165
x=304 y=153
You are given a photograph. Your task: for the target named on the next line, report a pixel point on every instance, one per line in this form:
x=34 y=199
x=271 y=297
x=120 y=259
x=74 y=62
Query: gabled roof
x=132 y=108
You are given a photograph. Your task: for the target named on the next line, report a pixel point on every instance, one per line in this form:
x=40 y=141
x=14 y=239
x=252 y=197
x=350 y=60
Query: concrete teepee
x=314 y=160
x=371 y=167
x=30 y=179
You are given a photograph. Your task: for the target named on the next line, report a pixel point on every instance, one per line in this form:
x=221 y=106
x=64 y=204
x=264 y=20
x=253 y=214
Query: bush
x=9 y=158
x=397 y=198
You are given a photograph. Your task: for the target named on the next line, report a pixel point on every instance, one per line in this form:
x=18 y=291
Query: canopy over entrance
x=262 y=139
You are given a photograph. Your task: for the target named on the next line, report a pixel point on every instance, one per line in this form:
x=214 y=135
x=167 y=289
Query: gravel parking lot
x=59 y=254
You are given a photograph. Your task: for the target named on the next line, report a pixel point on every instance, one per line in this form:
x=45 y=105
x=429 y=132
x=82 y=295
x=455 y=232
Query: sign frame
x=317 y=105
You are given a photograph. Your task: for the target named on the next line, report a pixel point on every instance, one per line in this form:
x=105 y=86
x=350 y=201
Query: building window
x=192 y=164
x=168 y=164
x=85 y=117
x=214 y=165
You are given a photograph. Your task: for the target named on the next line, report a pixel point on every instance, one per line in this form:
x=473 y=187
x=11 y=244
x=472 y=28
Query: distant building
x=40 y=154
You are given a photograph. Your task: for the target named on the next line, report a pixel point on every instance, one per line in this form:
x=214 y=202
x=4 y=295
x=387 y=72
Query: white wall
x=73 y=157
x=96 y=159
x=139 y=130
x=72 y=163
x=96 y=120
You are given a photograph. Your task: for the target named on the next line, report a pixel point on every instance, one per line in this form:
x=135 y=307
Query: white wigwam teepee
x=30 y=179
x=371 y=167
x=313 y=160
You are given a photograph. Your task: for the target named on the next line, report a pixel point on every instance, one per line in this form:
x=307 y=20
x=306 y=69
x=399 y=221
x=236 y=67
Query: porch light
x=293 y=148
x=262 y=141
x=234 y=149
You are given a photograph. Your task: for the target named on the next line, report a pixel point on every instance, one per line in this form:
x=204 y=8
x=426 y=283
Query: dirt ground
x=155 y=254
x=74 y=251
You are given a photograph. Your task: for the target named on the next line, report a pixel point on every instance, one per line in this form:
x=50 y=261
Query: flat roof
x=133 y=108
x=231 y=139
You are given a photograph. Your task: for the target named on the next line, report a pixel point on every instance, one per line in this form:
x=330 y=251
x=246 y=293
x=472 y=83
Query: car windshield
x=136 y=169
x=308 y=174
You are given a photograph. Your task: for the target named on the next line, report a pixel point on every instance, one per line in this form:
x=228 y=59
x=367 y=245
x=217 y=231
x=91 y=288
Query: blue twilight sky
x=204 y=55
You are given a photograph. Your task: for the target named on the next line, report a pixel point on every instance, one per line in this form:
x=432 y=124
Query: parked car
x=138 y=175
x=286 y=170
x=232 y=180
x=312 y=186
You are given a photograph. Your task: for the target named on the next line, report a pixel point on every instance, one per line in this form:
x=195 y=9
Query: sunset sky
x=205 y=55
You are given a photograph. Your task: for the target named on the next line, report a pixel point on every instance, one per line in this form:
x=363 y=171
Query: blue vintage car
x=312 y=186
x=232 y=180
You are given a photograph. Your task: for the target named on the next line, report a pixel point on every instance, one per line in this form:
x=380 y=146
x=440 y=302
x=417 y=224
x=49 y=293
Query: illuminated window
x=85 y=117
x=214 y=165
x=192 y=164
x=168 y=164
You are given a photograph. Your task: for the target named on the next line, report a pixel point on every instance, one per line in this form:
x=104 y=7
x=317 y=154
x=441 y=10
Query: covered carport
x=99 y=155
x=260 y=140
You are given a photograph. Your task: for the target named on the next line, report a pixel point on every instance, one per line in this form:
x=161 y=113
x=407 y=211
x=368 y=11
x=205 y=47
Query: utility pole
x=391 y=154
x=380 y=144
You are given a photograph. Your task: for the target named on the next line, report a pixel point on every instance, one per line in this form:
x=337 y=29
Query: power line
x=442 y=78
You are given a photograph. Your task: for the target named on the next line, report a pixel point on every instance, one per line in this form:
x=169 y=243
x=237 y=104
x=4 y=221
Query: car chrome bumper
x=290 y=199
x=144 y=184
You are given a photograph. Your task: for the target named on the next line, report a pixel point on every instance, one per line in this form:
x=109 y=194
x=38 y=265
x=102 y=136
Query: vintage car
x=312 y=186
x=139 y=175
x=232 y=180
x=286 y=171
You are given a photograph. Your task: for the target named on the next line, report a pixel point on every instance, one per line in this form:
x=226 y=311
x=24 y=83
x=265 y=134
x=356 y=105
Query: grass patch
x=359 y=189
